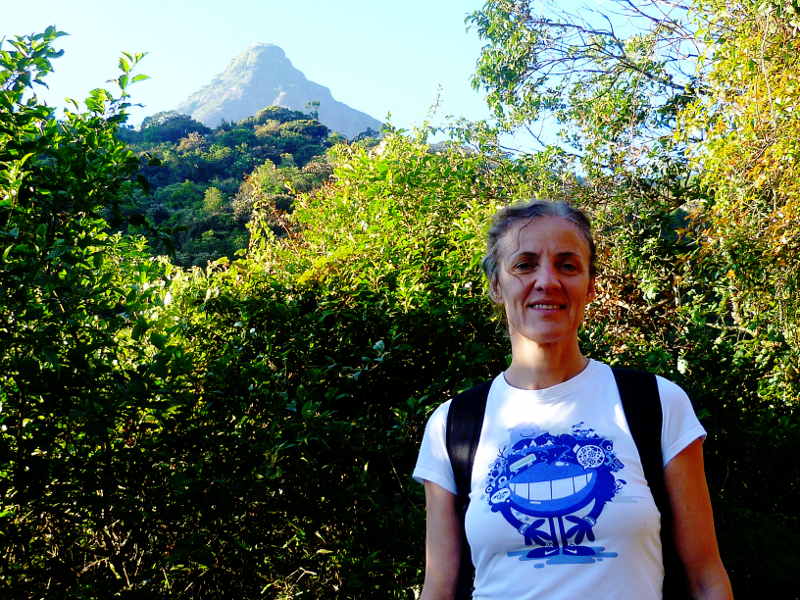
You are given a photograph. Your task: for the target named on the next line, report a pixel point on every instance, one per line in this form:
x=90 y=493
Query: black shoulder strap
x=462 y=434
x=642 y=406
x=641 y=403
x=464 y=423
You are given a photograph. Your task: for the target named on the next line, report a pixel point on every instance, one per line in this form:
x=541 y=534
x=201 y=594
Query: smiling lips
x=543 y=306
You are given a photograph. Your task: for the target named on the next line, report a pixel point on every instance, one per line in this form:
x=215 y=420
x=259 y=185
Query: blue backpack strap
x=462 y=434
x=641 y=403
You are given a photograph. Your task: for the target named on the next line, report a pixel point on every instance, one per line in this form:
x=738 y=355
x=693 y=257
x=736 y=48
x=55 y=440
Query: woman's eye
x=522 y=266
x=569 y=267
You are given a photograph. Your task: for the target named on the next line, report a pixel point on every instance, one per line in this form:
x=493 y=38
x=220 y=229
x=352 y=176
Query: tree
x=313 y=109
x=72 y=357
x=212 y=200
x=275 y=113
x=614 y=91
x=744 y=134
x=169 y=126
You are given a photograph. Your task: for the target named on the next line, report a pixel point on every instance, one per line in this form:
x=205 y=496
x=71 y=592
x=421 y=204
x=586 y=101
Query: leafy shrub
x=247 y=428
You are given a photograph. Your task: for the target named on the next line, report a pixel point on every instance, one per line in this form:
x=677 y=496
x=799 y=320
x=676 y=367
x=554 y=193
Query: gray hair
x=507 y=216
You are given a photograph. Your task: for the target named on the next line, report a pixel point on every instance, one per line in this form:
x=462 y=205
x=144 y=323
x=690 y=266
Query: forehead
x=554 y=235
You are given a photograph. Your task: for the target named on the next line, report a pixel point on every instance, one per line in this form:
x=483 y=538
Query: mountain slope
x=262 y=76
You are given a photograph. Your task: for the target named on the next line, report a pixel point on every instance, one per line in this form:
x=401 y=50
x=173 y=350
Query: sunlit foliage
x=246 y=427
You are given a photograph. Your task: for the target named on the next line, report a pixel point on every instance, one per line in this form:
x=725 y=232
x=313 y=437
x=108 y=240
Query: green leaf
x=139 y=328
x=158 y=340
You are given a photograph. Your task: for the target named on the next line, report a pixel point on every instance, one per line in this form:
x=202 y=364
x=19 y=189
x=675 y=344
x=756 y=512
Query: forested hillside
x=246 y=428
x=198 y=186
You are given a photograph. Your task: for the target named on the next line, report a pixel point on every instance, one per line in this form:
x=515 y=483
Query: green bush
x=247 y=429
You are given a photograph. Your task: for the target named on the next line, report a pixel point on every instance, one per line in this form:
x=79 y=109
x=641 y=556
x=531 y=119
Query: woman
x=559 y=506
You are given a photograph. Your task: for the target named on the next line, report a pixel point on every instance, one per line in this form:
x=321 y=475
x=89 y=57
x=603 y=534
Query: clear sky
x=378 y=56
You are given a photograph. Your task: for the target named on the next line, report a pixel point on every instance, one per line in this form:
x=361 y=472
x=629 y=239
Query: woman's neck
x=535 y=367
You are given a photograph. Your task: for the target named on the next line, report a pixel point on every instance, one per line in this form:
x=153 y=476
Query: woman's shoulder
x=666 y=387
x=670 y=390
x=438 y=416
x=439 y=413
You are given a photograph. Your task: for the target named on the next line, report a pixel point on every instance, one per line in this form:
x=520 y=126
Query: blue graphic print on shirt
x=552 y=489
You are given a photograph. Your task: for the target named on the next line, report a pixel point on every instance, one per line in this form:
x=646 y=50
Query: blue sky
x=377 y=56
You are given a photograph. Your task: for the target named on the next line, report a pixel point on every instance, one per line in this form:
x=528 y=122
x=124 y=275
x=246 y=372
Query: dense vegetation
x=246 y=428
x=194 y=203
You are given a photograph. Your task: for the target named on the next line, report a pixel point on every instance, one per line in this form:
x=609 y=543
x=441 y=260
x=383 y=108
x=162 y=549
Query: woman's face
x=543 y=280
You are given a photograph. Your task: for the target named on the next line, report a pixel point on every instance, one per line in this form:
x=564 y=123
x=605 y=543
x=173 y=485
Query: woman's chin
x=544 y=337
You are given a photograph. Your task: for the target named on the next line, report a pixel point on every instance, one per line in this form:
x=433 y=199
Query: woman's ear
x=494 y=291
x=591 y=293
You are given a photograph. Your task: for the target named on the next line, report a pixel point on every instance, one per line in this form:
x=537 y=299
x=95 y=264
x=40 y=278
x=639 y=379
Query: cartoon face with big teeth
x=544 y=479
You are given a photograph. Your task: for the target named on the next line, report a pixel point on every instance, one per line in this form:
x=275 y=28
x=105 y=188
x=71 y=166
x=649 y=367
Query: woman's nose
x=546 y=277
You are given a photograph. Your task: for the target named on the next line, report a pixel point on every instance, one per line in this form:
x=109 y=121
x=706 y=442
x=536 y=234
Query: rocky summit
x=262 y=76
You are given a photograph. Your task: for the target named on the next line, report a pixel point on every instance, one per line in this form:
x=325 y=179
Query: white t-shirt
x=559 y=506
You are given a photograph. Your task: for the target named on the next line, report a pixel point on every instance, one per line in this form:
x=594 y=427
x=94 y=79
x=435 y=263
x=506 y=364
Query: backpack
x=642 y=406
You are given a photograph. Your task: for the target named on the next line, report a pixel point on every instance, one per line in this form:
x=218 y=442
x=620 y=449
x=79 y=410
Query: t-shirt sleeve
x=433 y=463
x=680 y=426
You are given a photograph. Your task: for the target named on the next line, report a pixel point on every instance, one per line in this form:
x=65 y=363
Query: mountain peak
x=262 y=76
x=264 y=47
x=262 y=52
